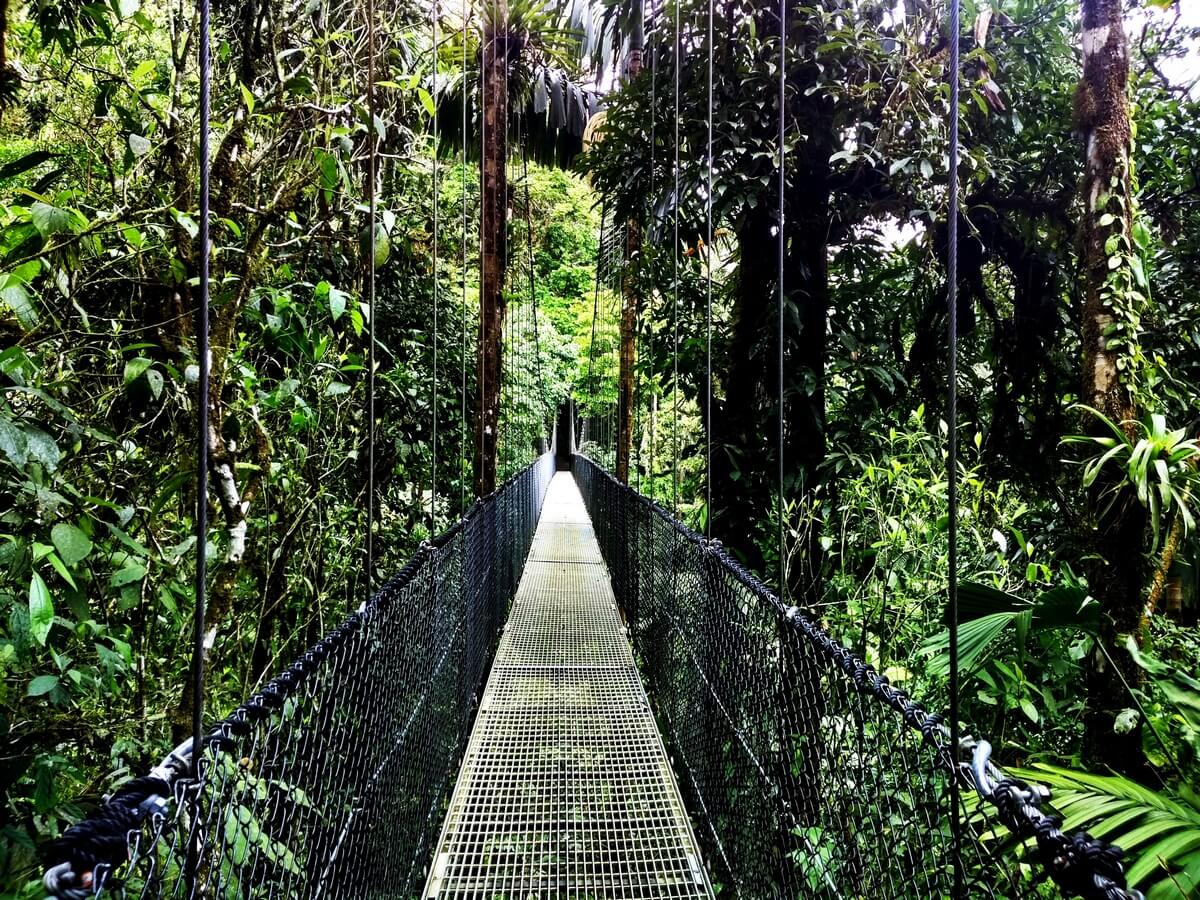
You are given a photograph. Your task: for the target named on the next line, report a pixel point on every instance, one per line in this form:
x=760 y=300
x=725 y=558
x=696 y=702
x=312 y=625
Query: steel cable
x=678 y=52
x=783 y=591
x=372 y=212
x=952 y=454
x=708 y=313
x=433 y=476
x=204 y=363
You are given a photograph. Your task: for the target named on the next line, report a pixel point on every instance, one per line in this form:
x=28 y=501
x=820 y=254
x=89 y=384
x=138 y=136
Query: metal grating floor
x=565 y=790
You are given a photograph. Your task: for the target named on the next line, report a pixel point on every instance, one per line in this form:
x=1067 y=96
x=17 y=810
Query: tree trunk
x=1163 y=569
x=807 y=282
x=629 y=297
x=1116 y=575
x=742 y=450
x=630 y=303
x=493 y=249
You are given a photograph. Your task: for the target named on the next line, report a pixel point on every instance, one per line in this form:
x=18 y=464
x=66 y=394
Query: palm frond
x=1159 y=832
x=986 y=612
x=549 y=104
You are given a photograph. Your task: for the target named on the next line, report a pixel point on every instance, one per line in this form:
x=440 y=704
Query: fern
x=1159 y=831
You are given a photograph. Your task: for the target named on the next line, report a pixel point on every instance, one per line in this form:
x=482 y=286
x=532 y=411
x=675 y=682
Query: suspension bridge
x=571 y=694
x=483 y=728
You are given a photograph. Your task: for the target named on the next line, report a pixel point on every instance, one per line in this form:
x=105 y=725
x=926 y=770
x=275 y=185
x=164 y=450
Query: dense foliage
x=97 y=415
x=1057 y=500
x=98 y=268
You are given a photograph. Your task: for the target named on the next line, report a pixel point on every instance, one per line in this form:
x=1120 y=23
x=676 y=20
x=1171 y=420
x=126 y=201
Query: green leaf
x=329 y=171
x=427 y=102
x=154 y=378
x=138 y=145
x=1139 y=272
x=1030 y=711
x=302 y=86
x=40 y=447
x=130 y=573
x=1180 y=689
x=337 y=303
x=12 y=442
x=50 y=219
x=134 y=369
x=1141 y=235
x=248 y=98
x=144 y=68
x=16 y=297
x=43 y=684
x=41 y=609
x=974 y=638
x=382 y=244
x=72 y=544
x=187 y=223
x=56 y=561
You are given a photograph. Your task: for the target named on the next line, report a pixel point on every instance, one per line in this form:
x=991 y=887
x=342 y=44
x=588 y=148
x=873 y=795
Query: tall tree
x=614 y=34
x=493 y=243
x=526 y=89
x=1117 y=572
x=629 y=292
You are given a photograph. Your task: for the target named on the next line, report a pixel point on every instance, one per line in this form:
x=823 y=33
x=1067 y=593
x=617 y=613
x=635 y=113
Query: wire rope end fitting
x=980 y=764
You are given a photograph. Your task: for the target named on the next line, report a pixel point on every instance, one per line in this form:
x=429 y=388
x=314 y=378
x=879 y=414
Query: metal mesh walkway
x=565 y=789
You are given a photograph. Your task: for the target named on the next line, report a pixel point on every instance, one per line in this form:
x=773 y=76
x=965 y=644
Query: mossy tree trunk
x=630 y=301
x=493 y=249
x=1116 y=575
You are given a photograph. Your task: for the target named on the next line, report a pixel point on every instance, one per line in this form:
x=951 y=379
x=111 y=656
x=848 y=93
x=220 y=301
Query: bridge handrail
x=82 y=863
x=1080 y=864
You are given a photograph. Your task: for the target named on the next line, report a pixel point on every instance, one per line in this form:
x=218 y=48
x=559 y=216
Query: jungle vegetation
x=1079 y=317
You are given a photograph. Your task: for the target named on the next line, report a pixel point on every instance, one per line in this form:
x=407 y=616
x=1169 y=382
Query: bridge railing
x=332 y=780
x=807 y=773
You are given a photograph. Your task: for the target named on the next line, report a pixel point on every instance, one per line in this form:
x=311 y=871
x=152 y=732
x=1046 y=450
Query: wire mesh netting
x=332 y=780
x=565 y=790
x=806 y=772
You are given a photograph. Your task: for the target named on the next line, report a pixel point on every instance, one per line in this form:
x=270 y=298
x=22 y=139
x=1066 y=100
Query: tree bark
x=742 y=450
x=1116 y=574
x=493 y=246
x=807 y=282
x=1163 y=569
x=630 y=302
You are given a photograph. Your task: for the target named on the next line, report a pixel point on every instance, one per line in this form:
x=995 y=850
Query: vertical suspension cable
x=464 y=462
x=502 y=411
x=615 y=289
x=523 y=334
x=487 y=46
x=653 y=33
x=372 y=210
x=952 y=454
x=433 y=400
x=675 y=299
x=636 y=460
x=537 y=337
x=591 y=383
x=202 y=402
x=708 y=330
x=779 y=274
